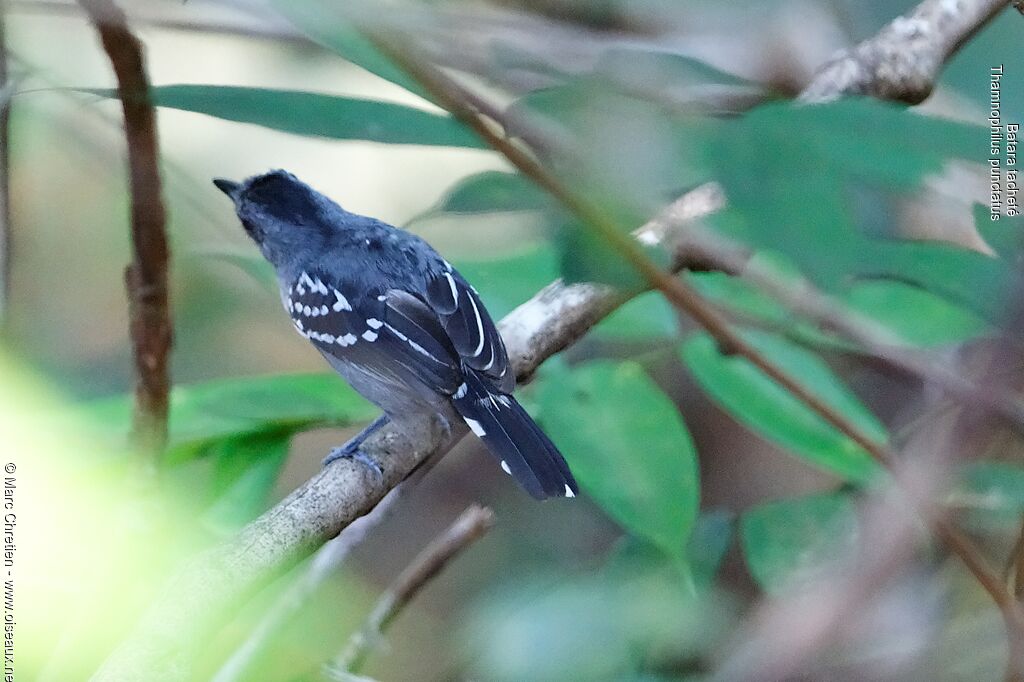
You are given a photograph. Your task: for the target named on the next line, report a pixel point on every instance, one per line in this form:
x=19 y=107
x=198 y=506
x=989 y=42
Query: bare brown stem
x=146 y=277
x=471 y=525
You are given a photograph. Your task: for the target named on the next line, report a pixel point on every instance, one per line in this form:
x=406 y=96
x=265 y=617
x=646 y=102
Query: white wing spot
x=305 y=281
x=319 y=287
x=504 y=467
x=327 y=338
x=298 y=324
x=568 y=491
x=461 y=392
x=374 y=323
x=474 y=426
x=346 y=340
x=341 y=303
x=306 y=311
x=370 y=336
x=382 y=298
x=323 y=310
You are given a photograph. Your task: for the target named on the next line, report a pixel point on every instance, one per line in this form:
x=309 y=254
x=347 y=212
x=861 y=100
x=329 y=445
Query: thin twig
x=471 y=525
x=146 y=277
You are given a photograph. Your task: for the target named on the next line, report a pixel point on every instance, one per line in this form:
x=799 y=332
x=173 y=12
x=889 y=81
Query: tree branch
x=903 y=61
x=146 y=276
x=471 y=525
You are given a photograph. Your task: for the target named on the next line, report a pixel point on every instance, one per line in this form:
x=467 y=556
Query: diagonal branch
x=903 y=61
x=471 y=525
x=146 y=277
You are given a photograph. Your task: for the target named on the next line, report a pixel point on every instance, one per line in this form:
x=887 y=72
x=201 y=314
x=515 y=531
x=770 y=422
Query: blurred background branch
x=471 y=525
x=146 y=277
x=905 y=59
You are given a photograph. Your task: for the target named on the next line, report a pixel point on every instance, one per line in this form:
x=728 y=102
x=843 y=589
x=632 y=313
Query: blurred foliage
x=813 y=196
x=798 y=540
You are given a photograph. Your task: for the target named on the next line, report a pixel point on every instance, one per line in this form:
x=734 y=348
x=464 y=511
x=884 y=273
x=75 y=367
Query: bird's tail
x=514 y=438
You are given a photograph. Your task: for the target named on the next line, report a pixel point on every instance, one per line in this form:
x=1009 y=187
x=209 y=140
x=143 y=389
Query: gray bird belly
x=396 y=392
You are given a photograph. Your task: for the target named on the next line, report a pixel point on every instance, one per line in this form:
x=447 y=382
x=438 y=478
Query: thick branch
x=903 y=61
x=471 y=525
x=146 y=275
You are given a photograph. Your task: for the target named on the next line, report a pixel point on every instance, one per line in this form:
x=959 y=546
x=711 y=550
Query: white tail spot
x=475 y=426
x=568 y=491
x=504 y=467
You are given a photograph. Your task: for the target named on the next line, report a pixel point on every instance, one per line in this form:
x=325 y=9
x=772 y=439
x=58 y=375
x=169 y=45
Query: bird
x=397 y=322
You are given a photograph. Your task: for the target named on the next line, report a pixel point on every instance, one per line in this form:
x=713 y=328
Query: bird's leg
x=351 y=450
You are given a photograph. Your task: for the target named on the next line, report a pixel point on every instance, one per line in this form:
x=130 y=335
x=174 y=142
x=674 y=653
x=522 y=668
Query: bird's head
x=280 y=213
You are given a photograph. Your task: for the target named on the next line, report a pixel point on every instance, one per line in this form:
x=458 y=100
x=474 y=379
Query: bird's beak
x=229 y=187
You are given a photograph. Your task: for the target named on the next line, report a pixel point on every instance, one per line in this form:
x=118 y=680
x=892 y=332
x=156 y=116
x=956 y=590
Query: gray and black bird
x=396 y=320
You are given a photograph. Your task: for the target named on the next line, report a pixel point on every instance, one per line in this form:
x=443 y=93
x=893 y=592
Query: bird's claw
x=355 y=454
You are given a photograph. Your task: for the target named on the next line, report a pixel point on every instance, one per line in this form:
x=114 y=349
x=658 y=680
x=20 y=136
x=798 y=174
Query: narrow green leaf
x=915 y=316
x=797 y=540
x=326 y=23
x=758 y=402
x=317 y=115
x=627 y=446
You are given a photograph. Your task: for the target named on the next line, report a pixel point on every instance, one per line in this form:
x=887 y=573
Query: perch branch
x=146 y=276
x=903 y=61
x=471 y=525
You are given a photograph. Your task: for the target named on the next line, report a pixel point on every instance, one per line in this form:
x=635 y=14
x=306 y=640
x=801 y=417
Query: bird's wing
x=470 y=328
x=390 y=334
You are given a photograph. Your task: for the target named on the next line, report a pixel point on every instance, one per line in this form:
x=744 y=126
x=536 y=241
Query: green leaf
x=797 y=540
x=914 y=315
x=316 y=115
x=627 y=446
x=245 y=470
x=212 y=411
x=992 y=494
x=708 y=544
x=493 y=191
x=325 y=23
x=757 y=401
x=647 y=317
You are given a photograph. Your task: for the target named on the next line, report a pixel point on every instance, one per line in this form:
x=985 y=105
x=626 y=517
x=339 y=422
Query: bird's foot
x=351 y=451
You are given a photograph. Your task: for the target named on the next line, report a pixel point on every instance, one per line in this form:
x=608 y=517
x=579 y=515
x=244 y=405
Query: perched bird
x=397 y=321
